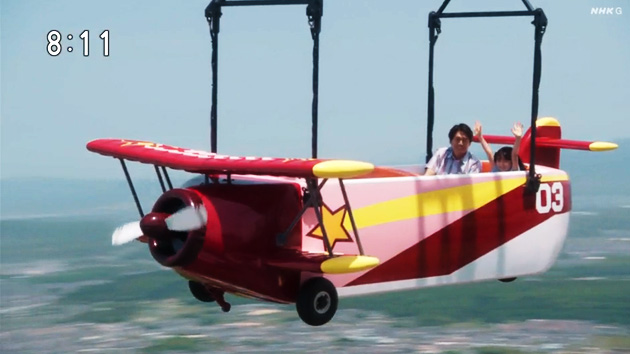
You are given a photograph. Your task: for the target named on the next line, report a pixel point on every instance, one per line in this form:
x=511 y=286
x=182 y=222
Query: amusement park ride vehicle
x=285 y=230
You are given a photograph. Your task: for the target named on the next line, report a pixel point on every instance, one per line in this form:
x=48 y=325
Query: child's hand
x=517 y=130
x=477 y=129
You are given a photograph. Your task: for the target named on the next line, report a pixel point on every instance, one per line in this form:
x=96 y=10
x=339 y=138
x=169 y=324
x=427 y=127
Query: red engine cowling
x=241 y=234
x=175 y=248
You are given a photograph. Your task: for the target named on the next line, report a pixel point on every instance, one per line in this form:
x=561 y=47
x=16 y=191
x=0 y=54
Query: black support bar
x=486 y=14
x=528 y=5
x=540 y=22
x=213 y=16
x=159 y=175
x=133 y=190
x=434 y=31
x=263 y=2
x=314 y=13
x=443 y=7
x=168 y=180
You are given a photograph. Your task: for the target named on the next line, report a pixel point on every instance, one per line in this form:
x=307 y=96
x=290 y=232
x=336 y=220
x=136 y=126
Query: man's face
x=460 y=144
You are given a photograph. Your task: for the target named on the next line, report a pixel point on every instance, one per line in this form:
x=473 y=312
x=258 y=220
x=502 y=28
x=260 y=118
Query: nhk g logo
x=606 y=11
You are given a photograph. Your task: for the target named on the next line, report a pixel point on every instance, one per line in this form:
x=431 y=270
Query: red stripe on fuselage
x=466 y=239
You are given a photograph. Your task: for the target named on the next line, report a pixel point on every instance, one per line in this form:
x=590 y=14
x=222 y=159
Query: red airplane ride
x=284 y=230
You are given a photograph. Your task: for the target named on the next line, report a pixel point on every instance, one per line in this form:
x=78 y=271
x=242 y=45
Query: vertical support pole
x=540 y=23
x=314 y=12
x=133 y=190
x=213 y=15
x=168 y=180
x=434 y=31
x=157 y=171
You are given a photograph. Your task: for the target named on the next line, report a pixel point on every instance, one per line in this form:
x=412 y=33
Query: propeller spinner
x=157 y=225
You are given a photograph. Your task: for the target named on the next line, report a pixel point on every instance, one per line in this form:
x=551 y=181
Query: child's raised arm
x=484 y=144
x=517 y=130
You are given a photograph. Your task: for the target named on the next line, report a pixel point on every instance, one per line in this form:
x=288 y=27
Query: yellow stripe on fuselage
x=461 y=198
x=554 y=178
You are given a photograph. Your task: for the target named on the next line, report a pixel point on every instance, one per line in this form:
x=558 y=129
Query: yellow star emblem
x=333 y=223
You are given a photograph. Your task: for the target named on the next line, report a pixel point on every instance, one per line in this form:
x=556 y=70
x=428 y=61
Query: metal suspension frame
x=314 y=12
x=282 y=238
x=315 y=198
x=351 y=216
x=540 y=23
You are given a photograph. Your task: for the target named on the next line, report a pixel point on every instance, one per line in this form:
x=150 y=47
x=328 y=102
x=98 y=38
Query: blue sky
x=155 y=85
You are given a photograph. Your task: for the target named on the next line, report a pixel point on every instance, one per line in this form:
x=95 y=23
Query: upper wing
x=205 y=162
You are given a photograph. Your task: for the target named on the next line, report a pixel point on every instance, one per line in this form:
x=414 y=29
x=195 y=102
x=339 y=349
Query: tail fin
x=548 y=143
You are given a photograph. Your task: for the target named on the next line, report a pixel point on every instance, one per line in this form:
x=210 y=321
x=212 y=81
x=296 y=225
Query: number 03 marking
x=550 y=197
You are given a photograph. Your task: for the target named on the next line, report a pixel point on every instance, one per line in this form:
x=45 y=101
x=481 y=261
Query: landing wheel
x=317 y=301
x=507 y=280
x=200 y=292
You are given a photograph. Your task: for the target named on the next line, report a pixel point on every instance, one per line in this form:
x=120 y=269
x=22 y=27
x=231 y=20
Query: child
x=503 y=159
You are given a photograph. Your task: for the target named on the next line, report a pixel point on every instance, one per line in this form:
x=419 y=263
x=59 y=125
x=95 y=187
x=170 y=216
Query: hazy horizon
x=155 y=84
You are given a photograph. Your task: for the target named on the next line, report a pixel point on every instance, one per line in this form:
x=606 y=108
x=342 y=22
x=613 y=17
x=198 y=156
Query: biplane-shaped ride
x=305 y=231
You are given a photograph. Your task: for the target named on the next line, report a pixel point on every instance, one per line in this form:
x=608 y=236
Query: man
x=455 y=159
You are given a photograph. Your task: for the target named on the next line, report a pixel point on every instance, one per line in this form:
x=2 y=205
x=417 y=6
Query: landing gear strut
x=205 y=293
x=199 y=291
x=317 y=301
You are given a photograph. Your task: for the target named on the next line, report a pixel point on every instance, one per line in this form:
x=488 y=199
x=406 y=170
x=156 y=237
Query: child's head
x=503 y=159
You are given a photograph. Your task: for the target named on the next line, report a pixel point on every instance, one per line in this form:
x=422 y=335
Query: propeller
x=157 y=225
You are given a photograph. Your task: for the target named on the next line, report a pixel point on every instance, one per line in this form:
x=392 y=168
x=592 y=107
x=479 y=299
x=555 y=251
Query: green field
x=122 y=276
x=63 y=273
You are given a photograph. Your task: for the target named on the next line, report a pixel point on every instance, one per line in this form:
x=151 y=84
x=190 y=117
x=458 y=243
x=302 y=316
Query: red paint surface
x=546 y=156
x=466 y=239
x=201 y=161
x=237 y=248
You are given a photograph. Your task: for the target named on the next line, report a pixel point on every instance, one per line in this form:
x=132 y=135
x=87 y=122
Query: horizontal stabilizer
x=555 y=143
x=197 y=161
x=576 y=145
x=549 y=142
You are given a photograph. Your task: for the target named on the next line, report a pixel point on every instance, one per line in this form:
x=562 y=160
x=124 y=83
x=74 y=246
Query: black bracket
x=533 y=184
x=213 y=14
x=314 y=12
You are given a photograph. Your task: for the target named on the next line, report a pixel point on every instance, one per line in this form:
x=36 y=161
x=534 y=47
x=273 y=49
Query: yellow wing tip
x=602 y=146
x=342 y=169
x=348 y=264
x=547 y=122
